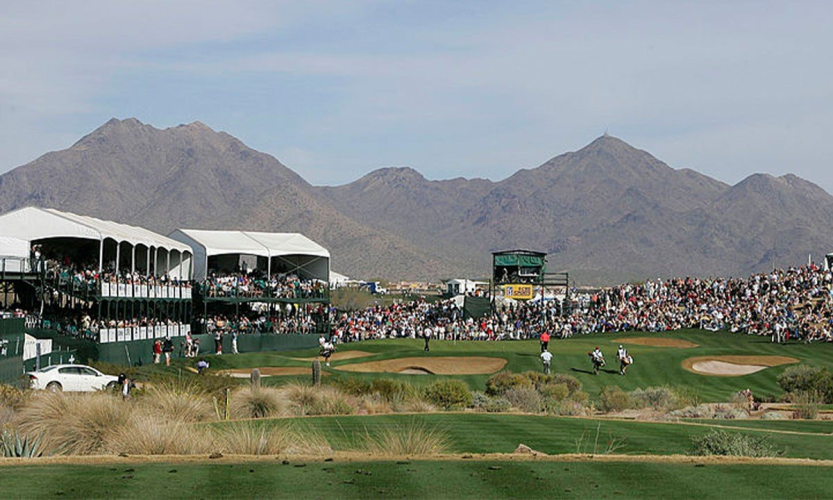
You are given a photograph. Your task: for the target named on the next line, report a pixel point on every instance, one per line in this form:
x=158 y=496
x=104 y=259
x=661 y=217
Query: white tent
x=293 y=250
x=33 y=224
x=14 y=255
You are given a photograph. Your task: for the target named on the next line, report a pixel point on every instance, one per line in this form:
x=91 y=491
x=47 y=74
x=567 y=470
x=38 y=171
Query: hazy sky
x=466 y=88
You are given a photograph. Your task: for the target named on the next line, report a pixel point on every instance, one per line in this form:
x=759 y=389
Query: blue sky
x=468 y=88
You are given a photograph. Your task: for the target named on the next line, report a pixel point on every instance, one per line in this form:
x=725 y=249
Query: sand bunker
x=733 y=366
x=269 y=371
x=437 y=366
x=339 y=356
x=656 y=342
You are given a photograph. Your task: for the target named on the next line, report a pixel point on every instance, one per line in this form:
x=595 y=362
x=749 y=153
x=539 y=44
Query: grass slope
x=418 y=479
x=501 y=433
x=654 y=365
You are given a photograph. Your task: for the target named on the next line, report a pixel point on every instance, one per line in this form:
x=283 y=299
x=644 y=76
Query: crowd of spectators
x=256 y=284
x=795 y=303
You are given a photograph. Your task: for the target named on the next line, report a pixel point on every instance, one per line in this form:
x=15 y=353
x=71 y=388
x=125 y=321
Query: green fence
x=11 y=350
x=140 y=352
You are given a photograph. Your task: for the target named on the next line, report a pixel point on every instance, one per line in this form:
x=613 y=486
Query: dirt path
x=365 y=457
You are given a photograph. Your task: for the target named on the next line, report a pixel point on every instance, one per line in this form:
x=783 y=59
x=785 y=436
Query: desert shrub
x=177 y=403
x=448 y=394
x=497 y=405
x=373 y=404
x=729 y=412
x=658 y=398
x=719 y=442
x=699 y=411
x=566 y=408
x=580 y=397
x=411 y=438
x=416 y=405
x=556 y=392
x=806 y=406
x=803 y=379
x=145 y=434
x=391 y=390
x=302 y=397
x=571 y=382
x=14 y=397
x=773 y=415
x=525 y=399
x=261 y=402
x=501 y=382
x=537 y=379
x=78 y=424
x=613 y=398
x=353 y=385
x=479 y=400
x=331 y=401
x=688 y=395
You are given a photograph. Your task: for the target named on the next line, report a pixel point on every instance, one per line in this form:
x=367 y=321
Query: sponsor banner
x=518 y=292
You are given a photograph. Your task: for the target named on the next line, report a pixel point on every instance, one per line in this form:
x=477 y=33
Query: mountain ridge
x=606 y=212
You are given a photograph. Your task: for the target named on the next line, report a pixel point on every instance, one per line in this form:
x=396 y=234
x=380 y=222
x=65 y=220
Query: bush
x=699 y=411
x=392 y=390
x=571 y=382
x=566 y=408
x=148 y=435
x=353 y=385
x=556 y=392
x=262 y=402
x=613 y=398
x=538 y=379
x=78 y=424
x=448 y=394
x=803 y=379
x=806 y=406
x=719 y=442
x=729 y=412
x=658 y=398
x=525 y=399
x=331 y=401
x=412 y=438
x=177 y=403
x=501 y=382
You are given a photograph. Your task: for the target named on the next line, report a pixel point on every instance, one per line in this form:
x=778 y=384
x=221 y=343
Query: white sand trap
x=733 y=366
x=725 y=369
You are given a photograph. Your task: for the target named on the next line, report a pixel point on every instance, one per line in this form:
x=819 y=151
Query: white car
x=71 y=378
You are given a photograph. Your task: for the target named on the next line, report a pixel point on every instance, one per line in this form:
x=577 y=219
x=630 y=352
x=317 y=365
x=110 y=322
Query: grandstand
x=110 y=289
x=246 y=276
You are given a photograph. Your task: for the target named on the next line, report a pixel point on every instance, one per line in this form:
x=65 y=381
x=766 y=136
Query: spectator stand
x=246 y=273
x=115 y=273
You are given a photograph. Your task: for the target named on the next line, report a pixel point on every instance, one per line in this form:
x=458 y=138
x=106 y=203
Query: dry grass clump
x=146 y=434
x=412 y=438
x=261 y=402
x=252 y=438
x=177 y=403
x=322 y=400
x=75 y=424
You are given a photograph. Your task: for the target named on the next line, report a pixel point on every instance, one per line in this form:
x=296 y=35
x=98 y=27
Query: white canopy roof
x=250 y=243
x=32 y=223
x=205 y=244
x=14 y=247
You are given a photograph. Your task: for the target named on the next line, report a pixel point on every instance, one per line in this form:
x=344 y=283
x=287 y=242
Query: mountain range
x=606 y=213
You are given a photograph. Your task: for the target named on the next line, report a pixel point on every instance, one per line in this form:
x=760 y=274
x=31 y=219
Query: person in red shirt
x=157 y=351
x=545 y=341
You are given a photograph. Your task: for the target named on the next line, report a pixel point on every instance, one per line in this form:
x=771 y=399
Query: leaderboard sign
x=518 y=292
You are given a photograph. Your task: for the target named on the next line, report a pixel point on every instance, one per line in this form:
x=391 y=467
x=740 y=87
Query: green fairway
x=501 y=433
x=417 y=479
x=654 y=366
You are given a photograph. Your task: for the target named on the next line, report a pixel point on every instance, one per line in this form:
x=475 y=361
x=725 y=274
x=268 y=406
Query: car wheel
x=54 y=387
x=112 y=386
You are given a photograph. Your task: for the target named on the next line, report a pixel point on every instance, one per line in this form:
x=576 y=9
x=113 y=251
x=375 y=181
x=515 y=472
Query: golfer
x=546 y=358
x=545 y=341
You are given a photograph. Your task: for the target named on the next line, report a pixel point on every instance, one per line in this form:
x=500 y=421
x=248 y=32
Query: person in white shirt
x=624 y=359
x=546 y=358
